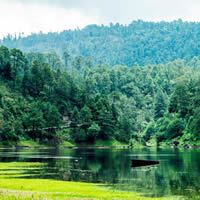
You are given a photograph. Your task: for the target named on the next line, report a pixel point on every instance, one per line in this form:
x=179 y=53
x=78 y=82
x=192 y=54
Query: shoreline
x=14 y=186
x=99 y=145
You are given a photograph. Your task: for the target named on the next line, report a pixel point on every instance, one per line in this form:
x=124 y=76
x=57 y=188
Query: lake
x=177 y=174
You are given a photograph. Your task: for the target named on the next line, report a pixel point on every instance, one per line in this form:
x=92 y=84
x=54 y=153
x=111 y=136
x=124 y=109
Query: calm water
x=177 y=174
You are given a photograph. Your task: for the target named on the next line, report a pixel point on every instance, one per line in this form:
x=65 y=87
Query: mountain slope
x=138 y=43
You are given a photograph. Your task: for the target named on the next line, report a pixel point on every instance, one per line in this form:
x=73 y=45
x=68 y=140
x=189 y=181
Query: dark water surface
x=177 y=174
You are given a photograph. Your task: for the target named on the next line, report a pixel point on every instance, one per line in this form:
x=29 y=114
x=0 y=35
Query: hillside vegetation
x=137 y=43
x=40 y=93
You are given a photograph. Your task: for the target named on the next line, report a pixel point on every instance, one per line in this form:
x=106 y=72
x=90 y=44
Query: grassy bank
x=51 y=189
x=109 y=143
x=13 y=185
x=33 y=144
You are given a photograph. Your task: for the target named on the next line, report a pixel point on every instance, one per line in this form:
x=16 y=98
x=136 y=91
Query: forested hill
x=151 y=104
x=138 y=43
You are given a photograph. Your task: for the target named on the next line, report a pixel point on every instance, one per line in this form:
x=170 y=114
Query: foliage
x=38 y=101
x=137 y=43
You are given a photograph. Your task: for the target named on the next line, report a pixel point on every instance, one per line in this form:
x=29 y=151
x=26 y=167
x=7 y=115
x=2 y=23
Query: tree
x=54 y=60
x=175 y=128
x=160 y=104
x=93 y=132
x=33 y=121
x=18 y=64
x=78 y=63
x=195 y=124
x=104 y=118
x=181 y=99
x=51 y=115
x=66 y=58
x=5 y=66
x=85 y=115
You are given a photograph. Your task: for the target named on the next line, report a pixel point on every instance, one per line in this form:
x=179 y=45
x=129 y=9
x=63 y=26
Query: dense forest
x=139 y=43
x=43 y=92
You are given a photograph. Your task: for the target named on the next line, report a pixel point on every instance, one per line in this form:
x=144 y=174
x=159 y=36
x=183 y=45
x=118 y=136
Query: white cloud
x=17 y=18
x=56 y=15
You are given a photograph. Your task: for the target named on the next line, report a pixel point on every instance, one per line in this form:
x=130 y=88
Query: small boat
x=141 y=163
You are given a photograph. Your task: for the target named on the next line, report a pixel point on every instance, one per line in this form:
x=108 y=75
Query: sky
x=33 y=16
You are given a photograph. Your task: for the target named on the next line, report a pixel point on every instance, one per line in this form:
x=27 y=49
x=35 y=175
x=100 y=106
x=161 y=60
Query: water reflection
x=177 y=174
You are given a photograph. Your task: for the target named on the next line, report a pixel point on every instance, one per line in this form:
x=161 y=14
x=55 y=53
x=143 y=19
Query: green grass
x=14 y=187
x=32 y=144
x=109 y=143
x=21 y=143
x=67 y=144
x=27 y=143
x=62 y=190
